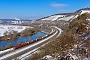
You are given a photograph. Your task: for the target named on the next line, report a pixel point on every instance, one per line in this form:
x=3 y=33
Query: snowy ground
x=4 y=28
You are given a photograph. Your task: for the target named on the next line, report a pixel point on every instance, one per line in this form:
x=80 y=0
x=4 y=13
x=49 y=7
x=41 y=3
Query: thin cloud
x=88 y=5
x=58 y=5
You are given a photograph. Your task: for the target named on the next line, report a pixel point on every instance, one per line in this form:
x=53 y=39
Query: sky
x=34 y=9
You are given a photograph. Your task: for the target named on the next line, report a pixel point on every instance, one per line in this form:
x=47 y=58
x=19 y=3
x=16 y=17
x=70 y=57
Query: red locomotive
x=16 y=47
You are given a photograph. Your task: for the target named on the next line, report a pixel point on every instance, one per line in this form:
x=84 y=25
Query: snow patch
x=67 y=18
x=85 y=11
x=48 y=57
x=4 y=28
x=53 y=18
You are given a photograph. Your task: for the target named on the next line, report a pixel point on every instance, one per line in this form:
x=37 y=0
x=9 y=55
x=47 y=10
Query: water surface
x=21 y=39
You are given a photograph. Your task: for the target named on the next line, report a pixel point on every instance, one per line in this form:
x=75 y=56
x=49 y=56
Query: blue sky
x=33 y=9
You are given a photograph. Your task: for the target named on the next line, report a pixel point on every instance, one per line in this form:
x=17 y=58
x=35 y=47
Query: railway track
x=10 y=55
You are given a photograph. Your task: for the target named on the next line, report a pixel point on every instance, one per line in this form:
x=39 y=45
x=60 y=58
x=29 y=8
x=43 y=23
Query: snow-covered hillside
x=65 y=17
x=4 y=28
x=80 y=13
x=85 y=11
x=54 y=17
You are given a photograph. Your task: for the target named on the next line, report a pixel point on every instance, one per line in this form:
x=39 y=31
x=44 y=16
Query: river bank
x=21 y=39
x=13 y=34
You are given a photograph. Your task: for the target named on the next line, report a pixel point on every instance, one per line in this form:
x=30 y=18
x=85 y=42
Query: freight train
x=25 y=44
x=33 y=41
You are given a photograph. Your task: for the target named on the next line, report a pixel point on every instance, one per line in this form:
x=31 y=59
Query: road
x=30 y=48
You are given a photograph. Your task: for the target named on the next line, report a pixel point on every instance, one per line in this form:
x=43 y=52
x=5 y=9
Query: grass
x=66 y=40
x=56 y=46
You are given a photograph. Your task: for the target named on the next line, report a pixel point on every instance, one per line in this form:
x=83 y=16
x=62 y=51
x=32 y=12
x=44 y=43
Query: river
x=21 y=40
